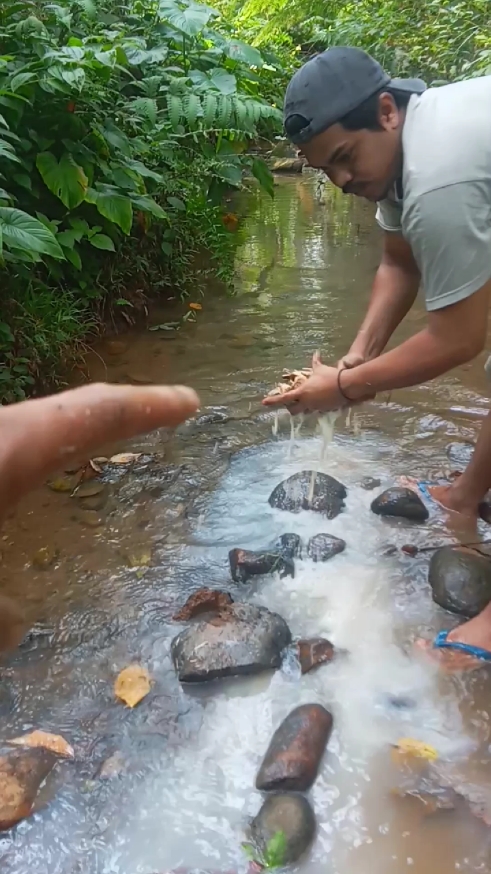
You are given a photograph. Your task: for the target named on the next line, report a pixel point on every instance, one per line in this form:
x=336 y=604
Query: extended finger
x=316 y=360
x=284 y=400
x=39 y=436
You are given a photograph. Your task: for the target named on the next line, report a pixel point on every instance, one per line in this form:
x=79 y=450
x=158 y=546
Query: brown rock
x=203 y=601
x=116 y=347
x=13 y=625
x=409 y=549
x=293 y=757
x=21 y=774
x=314 y=652
x=245 y=564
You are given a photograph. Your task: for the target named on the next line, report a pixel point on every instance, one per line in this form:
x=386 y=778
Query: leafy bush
x=121 y=126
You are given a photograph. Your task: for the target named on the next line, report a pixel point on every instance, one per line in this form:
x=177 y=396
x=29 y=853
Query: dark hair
x=365 y=116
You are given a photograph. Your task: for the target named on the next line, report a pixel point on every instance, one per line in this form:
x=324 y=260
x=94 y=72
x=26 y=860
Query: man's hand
x=318 y=394
x=38 y=437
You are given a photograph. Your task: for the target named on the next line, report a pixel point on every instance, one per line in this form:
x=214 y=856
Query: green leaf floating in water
x=274 y=854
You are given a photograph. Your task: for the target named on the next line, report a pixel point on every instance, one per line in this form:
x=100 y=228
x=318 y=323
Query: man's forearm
x=394 y=292
x=419 y=359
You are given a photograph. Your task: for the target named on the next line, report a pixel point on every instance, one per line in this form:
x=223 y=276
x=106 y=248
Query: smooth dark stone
x=294 y=755
x=322 y=547
x=314 y=652
x=460 y=580
x=293 y=494
x=242 y=639
x=290 y=814
x=290 y=545
x=401 y=503
x=369 y=482
x=245 y=564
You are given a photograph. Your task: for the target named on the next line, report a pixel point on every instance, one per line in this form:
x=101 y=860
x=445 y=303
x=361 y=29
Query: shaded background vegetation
x=122 y=126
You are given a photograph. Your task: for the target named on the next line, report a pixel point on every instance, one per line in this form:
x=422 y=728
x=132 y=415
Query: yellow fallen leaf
x=132 y=685
x=407 y=748
x=195 y=306
x=53 y=742
x=125 y=457
x=61 y=484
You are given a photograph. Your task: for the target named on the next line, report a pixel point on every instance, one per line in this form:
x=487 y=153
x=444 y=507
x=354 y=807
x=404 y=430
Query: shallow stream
x=188 y=756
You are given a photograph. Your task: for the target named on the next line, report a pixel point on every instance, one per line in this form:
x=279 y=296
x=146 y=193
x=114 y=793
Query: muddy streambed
x=181 y=787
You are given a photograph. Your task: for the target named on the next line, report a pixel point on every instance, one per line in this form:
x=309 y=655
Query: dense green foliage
x=122 y=124
x=120 y=128
x=441 y=40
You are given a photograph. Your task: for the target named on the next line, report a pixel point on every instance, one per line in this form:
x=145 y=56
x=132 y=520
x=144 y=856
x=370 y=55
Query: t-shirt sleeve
x=389 y=216
x=449 y=231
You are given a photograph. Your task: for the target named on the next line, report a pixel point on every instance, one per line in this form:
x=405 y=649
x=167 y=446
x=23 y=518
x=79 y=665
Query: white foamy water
x=191 y=812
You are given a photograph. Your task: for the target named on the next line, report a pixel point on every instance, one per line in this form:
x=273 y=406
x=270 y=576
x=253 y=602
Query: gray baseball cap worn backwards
x=332 y=84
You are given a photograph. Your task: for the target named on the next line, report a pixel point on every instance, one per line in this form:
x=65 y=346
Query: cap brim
x=410 y=86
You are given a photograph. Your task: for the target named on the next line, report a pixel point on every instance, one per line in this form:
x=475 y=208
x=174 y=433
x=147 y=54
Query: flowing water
x=188 y=756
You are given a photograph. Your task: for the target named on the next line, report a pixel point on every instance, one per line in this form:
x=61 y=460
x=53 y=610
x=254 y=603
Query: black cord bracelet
x=340 y=388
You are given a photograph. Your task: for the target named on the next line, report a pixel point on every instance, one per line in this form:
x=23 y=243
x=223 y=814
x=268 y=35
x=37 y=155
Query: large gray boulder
x=460 y=580
x=241 y=639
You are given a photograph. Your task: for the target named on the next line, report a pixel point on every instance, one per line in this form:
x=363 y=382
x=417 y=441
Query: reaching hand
x=318 y=394
x=351 y=359
x=40 y=436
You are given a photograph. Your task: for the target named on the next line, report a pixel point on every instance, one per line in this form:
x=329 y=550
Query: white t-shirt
x=445 y=211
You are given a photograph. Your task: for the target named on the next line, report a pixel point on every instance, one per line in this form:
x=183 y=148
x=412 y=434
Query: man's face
x=361 y=162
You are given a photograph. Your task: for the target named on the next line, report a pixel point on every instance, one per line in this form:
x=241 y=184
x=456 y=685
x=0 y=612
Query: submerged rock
x=245 y=564
x=203 y=601
x=290 y=814
x=401 y=503
x=322 y=547
x=293 y=494
x=314 y=652
x=243 y=639
x=290 y=545
x=460 y=580
x=21 y=774
x=293 y=757
x=370 y=482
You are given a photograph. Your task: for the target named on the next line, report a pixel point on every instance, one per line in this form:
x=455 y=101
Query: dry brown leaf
x=407 y=749
x=125 y=457
x=53 y=742
x=89 y=489
x=132 y=685
x=95 y=467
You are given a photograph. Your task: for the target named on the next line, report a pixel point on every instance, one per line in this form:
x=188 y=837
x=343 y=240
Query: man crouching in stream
x=424 y=156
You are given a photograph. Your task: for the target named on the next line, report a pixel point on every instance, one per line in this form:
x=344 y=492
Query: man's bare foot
x=475 y=633
x=448 y=497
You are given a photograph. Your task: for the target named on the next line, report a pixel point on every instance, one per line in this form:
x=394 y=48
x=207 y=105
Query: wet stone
x=113 y=767
x=90 y=518
x=369 y=483
x=245 y=564
x=90 y=489
x=21 y=774
x=290 y=814
x=314 y=652
x=322 y=547
x=290 y=546
x=45 y=557
x=401 y=503
x=97 y=502
x=460 y=580
x=294 y=755
x=293 y=494
x=203 y=601
x=215 y=416
x=116 y=347
x=243 y=639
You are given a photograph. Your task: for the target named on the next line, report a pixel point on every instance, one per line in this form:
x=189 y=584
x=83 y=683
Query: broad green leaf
x=65 y=178
x=67 y=239
x=115 y=207
x=189 y=20
x=102 y=241
x=148 y=204
x=223 y=81
x=28 y=235
x=21 y=79
x=144 y=171
x=240 y=51
x=230 y=172
x=176 y=202
x=263 y=175
x=74 y=258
